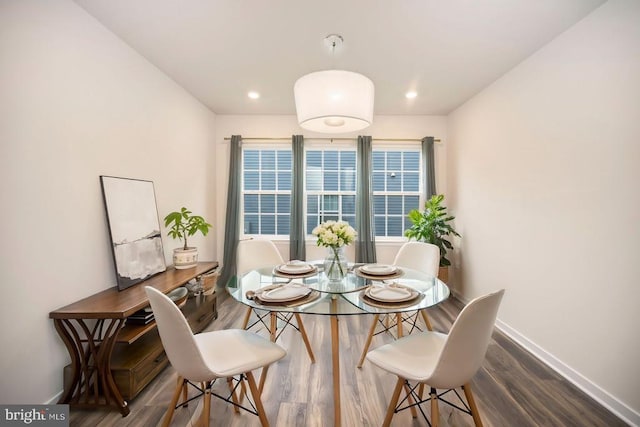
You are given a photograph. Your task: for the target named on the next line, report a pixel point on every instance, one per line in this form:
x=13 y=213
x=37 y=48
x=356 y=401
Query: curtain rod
x=437 y=141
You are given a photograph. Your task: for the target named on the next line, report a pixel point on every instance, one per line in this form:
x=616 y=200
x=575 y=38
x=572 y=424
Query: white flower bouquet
x=334 y=235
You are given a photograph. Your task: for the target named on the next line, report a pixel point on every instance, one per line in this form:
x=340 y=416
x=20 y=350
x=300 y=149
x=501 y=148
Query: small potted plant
x=181 y=225
x=432 y=226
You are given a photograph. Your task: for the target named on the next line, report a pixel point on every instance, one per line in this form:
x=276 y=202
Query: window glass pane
x=394 y=226
x=251 y=159
x=411 y=202
x=378 y=181
x=394 y=160
x=268 y=181
x=283 y=223
x=312 y=204
x=394 y=205
x=348 y=205
x=284 y=181
x=268 y=160
x=347 y=181
x=331 y=181
x=267 y=203
x=312 y=222
x=411 y=181
x=251 y=225
x=381 y=228
x=330 y=203
x=283 y=203
x=348 y=160
x=314 y=158
x=351 y=219
x=378 y=160
x=314 y=180
x=331 y=160
x=329 y=217
x=251 y=203
x=379 y=205
x=394 y=183
x=284 y=160
x=407 y=224
x=268 y=224
x=411 y=160
x=251 y=180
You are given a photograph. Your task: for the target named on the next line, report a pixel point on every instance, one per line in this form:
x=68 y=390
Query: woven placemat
x=398 y=273
x=312 y=296
x=380 y=304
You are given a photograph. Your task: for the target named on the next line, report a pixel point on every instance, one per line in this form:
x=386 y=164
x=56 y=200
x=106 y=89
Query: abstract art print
x=134 y=228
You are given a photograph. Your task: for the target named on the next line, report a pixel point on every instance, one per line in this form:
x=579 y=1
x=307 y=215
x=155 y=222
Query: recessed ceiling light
x=411 y=94
x=253 y=95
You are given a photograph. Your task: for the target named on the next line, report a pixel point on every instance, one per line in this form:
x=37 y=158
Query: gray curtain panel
x=428 y=160
x=297 y=229
x=365 y=242
x=232 y=224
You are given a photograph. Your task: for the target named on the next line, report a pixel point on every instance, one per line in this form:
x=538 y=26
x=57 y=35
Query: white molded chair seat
x=420 y=256
x=441 y=361
x=207 y=356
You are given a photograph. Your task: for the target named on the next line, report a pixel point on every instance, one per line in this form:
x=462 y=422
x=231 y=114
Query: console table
x=111 y=360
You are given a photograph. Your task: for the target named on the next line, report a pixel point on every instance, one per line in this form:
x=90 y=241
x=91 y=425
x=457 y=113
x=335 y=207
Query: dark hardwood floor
x=512 y=388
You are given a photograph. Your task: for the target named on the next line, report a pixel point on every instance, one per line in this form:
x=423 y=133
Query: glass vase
x=335 y=264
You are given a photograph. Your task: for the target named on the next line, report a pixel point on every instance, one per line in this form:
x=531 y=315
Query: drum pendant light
x=334 y=101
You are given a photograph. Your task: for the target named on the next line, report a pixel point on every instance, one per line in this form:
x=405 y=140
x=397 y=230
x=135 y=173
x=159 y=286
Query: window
x=266 y=191
x=330 y=186
x=396 y=189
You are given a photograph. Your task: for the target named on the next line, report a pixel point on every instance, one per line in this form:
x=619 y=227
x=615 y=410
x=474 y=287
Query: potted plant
x=181 y=225
x=432 y=226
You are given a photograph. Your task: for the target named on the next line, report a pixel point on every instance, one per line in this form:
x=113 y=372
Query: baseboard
x=603 y=397
x=54 y=399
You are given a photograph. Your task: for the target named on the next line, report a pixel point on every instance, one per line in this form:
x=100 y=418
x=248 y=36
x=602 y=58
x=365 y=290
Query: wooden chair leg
x=305 y=338
x=425 y=317
x=174 y=402
x=247 y=315
x=185 y=394
x=263 y=378
x=256 y=399
x=234 y=397
x=274 y=326
x=412 y=408
x=394 y=401
x=399 y=332
x=206 y=408
x=472 y=404
x=435 y=414
x=421 y=391
x=368 y=341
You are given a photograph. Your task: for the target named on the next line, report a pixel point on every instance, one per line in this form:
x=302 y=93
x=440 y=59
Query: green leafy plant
x=183 y=224
x=432 y=226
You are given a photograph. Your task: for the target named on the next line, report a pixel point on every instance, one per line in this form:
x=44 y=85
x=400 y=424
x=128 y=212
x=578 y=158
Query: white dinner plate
x=390 y=293
x=295 y=267
x=378 y=269
x=288 y=292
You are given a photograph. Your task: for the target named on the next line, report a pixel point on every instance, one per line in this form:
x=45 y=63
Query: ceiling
x=445 y=50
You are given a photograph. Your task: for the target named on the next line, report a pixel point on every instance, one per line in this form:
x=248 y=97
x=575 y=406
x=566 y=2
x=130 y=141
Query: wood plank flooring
x=512 y=388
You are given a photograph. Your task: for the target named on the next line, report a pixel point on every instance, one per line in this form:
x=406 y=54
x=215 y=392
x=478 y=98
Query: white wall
x=543 y=174
x=272 y=126
x=75 y=103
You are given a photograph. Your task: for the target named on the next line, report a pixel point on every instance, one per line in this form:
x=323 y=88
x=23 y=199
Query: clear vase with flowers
x=335 y=235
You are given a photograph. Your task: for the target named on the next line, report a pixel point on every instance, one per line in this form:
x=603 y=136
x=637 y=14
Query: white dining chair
x=440 y=361
x=208 y=356
x=420 y=256
x=258 y=253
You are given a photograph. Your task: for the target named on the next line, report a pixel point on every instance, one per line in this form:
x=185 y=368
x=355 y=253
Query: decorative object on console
x=432 y=226
x=334 y=235
x=334 y=101
x=181 y=225
x=136 y=242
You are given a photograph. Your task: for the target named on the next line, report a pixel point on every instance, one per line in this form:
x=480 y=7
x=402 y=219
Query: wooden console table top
x=114 y=304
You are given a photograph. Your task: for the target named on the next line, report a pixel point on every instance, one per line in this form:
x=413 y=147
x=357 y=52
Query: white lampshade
x=334 y=101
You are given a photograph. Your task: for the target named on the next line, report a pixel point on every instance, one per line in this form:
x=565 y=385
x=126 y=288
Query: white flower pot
x=185 y=258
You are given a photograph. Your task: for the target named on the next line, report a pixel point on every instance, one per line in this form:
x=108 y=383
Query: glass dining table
x=347 y=297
